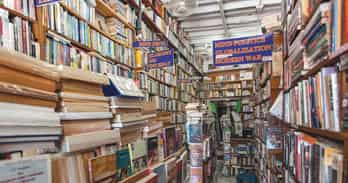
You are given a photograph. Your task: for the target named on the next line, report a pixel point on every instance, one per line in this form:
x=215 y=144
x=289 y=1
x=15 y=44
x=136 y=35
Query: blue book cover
x=195 y=133
x=123 y=164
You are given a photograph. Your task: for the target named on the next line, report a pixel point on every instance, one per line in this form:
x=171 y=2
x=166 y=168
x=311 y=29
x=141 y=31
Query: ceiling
x=221 y=19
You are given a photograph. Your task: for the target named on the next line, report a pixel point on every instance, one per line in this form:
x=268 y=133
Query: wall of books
x=314 y=80
x=79 y=105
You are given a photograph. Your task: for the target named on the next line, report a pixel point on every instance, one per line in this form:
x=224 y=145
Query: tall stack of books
x=85 y=116
x=126 y=106
x=29 y=124
x=197 y=138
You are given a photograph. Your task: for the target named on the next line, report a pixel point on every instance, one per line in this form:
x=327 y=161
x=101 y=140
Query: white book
x=336 y=102
x=11 y=131
x=11 y=37
x=90 y=140
x=85 y=115
x=26 y=115
x=29 y=139
x=20 y=146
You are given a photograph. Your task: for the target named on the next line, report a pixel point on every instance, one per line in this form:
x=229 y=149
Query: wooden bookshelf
x=86 y=48
x=72 y=12
x=106 y=11
x=332 y=59
x=17 y=13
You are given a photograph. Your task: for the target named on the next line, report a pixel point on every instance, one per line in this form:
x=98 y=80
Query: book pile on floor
x=29 y=124
x=200 y=142
x=88 y=137
x=225 y=120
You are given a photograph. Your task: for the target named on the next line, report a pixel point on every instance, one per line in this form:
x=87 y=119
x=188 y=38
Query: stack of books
x=29 y=124
x=195 y=113
x=85 y=116
x=77 y=91
x=126 y=106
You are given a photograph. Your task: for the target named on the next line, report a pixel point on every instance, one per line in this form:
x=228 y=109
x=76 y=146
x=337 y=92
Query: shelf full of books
x=268 y=132
x=315 y=89
x=234 y=84
x=67 y=140
x=70 y=107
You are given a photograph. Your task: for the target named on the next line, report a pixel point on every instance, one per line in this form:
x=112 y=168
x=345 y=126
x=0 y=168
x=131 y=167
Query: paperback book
x=123 y=164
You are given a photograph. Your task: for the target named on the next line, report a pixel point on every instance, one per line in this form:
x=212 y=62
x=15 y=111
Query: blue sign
x=150 y=44
x=243 y=50
x=160 y=59
x=44 y=2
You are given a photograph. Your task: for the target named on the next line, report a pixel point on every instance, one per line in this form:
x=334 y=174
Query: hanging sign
x=150 y=44
x=243 y=50
x=160 y=59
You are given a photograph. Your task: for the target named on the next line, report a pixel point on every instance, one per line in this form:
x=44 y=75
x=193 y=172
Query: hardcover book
x=195 y=133
x=152 y=151
x=196 y=155
x=101 y=170
x=179 y=171
x=169 y=137
x=123 y=164
x=138 y=155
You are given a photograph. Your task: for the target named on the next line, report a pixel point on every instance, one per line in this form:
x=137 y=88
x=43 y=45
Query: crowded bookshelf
x=173 y=91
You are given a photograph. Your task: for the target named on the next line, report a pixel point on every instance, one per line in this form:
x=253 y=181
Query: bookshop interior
x=173 y=91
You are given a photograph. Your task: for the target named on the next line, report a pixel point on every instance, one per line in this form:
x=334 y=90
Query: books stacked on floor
x=225 y=120
x=86 y=128
x=74 y=111
x=324 y=161
x=29 y=124
x=199 y=142
x=314 y=102
x=126 y=106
